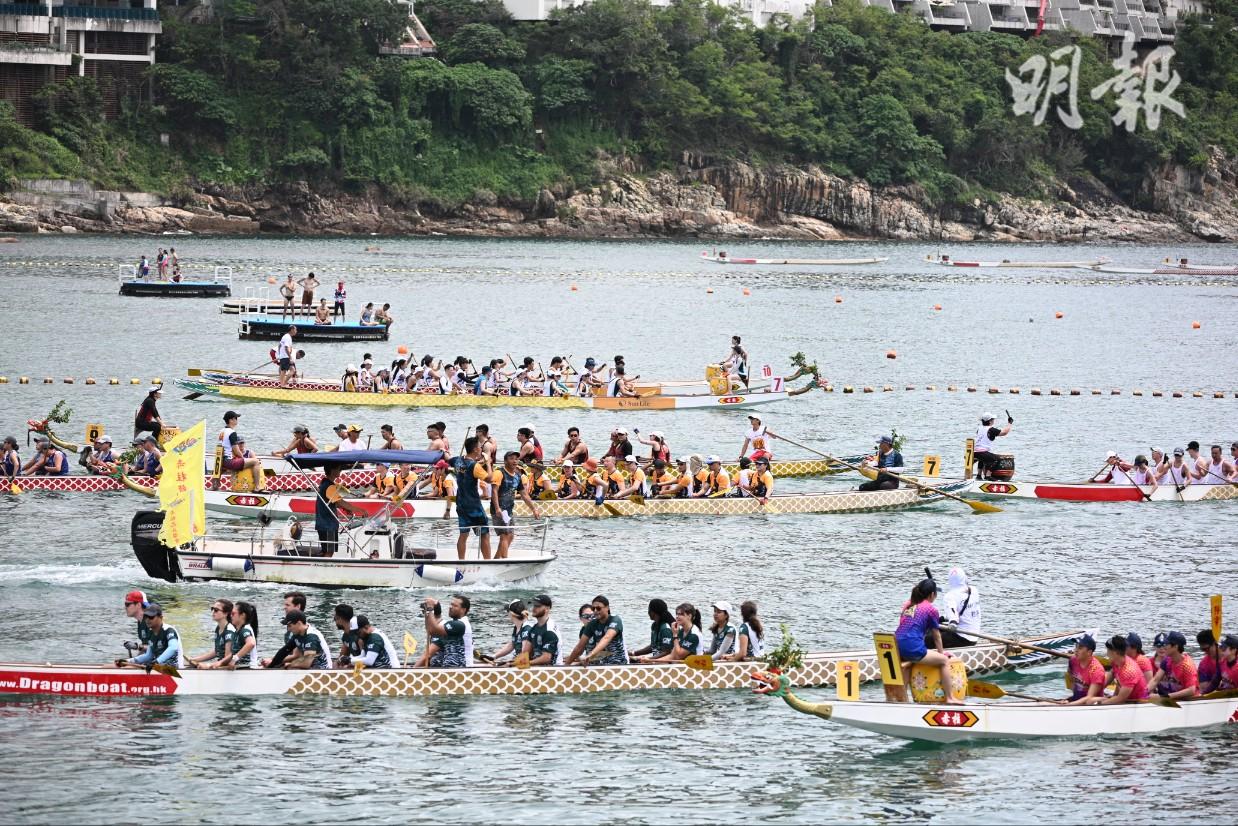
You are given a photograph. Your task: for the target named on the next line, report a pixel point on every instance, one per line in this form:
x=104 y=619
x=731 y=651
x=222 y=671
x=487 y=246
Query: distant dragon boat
x=949 y=261
x=818 y=670
x=1100 y=492
x=723 y=258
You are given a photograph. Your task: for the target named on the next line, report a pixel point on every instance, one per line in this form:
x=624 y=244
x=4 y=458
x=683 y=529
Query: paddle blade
x=1167 y=702
x=357 y=666
x=521 y=661
x=14 y=488
x=989 y=691
x=410 y=644
x=170 y=670
x=867 y=472
x=636 y=499
x=700 y=662
x=982 y=507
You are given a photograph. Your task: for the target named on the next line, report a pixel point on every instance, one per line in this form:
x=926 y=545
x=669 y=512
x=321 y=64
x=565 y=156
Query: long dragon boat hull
x=295 y=395
x=947 y=261
x=281 y=506
x=1097 y=492
x=804 y=262
x=1023 y=720
x=276 y=482
x=818 y=670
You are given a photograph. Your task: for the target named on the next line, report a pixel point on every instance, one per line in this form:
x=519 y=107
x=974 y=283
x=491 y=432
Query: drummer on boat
x=889 y=461
x=985 y=457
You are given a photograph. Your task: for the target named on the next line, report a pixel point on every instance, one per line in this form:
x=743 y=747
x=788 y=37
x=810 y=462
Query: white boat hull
x=802 y=262
x=1099 y=492
x=1018 y=721
x=280 y=506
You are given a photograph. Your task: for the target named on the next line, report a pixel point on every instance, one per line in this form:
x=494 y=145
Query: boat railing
x=126 y=272
x=440 y=536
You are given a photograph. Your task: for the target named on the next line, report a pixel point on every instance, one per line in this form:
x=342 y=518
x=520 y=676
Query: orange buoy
x=1194 y=325
x=747 y=291
x=1058 y=314
x=270 y=279
x=890 y=354
x=402 y=349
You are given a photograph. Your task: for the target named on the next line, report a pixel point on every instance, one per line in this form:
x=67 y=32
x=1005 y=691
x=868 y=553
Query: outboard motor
x=158 y=560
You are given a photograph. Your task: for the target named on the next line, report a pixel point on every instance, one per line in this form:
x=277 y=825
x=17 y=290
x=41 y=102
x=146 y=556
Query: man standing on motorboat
x=326 y=520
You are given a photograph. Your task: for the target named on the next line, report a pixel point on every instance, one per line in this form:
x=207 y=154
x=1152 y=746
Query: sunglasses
x=215 y=609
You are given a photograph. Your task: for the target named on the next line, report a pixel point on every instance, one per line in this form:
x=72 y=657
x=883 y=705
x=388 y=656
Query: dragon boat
x=804 y=262
x=1009 y=721
x=1102 y=492
x=950 y=261
x=818 y=669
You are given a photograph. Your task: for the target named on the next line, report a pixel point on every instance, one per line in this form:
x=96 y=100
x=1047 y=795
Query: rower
x=1141 y=475
x=146 y=462
x=352 y=439
x=1126 y=674
x=605 y=482
x=1233 y=461
x=545 y=646
x=1115 y=472
x=689 y=640
x=1229 y=662
x=456 y=632
x=147 y=416
x=102 y=459
x=541 y=486
x=889 y=461
x=712 y=481
x=758 y=438
x=553 y=385
x=10 y=462
x=1216 y=470
x=680 y=486
x=293 y=601
x=762 y=481
x=1176 y=676
x=376 y=649
x=382 y=486
x=741 y=480
x=1134 y=651
x=329 y=498
x=918 y=619
x=436 y=432
x=636 y=480
x=659 y=477
x=390 y=442
x=620 y=447
x=484 y=384
x=234 y=459
x=1209 y=670
x=736 y=362
x=1177 y=473
x=1197 y=463
x=165 y=643
x=470 y=514
x=574 y=450
x=751 y=634
x=522 y=625
x=661 y=634
x=985 y=458
x=513 y=484
x=346 y=624
x=601 y=640
x=283 y=355
x=135 y=602
x=570 y=486
x=587 y=382
x=439 y=485
x=658 y=448
x=530 y=448
x=1086 y=673
x=489 y=447
x=726 y=634
x=962 y=610
x=301 y=442
x=309 y=646
x=49 y=460
x=221 y=613
x=243 y=653
x=620 y=386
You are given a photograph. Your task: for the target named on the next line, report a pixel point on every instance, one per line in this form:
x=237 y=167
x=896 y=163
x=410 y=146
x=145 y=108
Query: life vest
x=759 y=488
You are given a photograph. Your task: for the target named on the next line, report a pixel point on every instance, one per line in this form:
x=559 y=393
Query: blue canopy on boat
x=365 y=457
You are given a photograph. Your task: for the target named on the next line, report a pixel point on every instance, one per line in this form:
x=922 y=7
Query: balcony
x=109 y=19
x=105 y=13
x=34 y=54
x=24 y=10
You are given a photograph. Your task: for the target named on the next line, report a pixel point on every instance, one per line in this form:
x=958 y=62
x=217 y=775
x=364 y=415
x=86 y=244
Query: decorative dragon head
x=770 y=683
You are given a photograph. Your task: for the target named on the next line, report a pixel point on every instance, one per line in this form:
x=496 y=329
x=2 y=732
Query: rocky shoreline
x=701 y=198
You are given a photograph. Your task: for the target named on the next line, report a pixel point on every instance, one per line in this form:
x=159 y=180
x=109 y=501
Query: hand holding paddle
x=977 y=507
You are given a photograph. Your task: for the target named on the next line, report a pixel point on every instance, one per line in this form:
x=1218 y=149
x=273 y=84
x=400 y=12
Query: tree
x=482 y=43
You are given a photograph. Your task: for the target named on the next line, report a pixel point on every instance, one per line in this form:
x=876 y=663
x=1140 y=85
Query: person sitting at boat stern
x=918 y=619
x=1131 y=687
x=1229 y=662
x=165 y=643
x=309 y=646
x=455 y=634
x=984 y=455
x=962 y=609
x=376 y=649
x=888 y=461
x=1087 y=675
x=601 y=640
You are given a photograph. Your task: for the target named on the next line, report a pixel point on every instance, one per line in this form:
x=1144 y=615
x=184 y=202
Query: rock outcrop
x=700 y=198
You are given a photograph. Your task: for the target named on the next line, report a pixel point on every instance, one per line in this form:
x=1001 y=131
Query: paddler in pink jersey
x=1134 y=651
x=1087 y=674
x=1229 y=661
x=1129 y=679
x=1176 y=677
x=1209 y=670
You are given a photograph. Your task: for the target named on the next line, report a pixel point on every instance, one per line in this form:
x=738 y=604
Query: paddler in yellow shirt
x=681 y=485
x=383 y=485
x=541 y=486
x=636 y=480
x=712 y=480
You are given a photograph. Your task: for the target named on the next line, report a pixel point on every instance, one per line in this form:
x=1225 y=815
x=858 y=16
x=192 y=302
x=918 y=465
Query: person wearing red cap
x=439 y=485
x=135 y=602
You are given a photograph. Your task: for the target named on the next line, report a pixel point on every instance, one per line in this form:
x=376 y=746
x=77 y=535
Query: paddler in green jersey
x=661 y=633
x=221 y=613
x=350 y=640
x=601 y=641
x=543 y=637
x=376 y=649
x=165 y=643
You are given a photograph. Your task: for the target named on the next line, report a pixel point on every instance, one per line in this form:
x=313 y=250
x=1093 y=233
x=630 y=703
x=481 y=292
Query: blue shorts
x=909 y=652
x=472 y=523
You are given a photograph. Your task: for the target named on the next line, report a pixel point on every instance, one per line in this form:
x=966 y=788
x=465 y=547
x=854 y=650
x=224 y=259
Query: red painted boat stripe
x=1089 y=493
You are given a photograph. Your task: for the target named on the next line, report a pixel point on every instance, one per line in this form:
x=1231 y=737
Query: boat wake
x=70 y=574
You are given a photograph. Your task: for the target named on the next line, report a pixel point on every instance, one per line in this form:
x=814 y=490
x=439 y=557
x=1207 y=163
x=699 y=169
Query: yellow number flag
x=182 y=487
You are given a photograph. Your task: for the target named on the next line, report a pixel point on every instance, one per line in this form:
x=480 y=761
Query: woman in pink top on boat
x=1129 y=679
x=919 y=620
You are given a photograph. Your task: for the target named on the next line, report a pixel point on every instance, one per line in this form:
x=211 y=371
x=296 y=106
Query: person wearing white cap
x=984 y=456
x=147 y=417
x=960 y=608
x=350 y=381
x=620 y=447
x=758 y=439
x=1113 y=471
x=636 y=480
x=712 y=480
x=102 y=460
x=569 y=483
x=658 y=448
x=726 y=633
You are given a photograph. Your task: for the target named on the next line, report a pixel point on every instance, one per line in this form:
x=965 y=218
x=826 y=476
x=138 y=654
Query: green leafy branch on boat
x=60 y=413
x=788 y=654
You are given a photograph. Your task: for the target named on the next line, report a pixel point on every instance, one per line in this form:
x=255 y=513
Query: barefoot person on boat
x=918 y=619
x=234 y=459
x=165 y=644
x=984 y=455
x=758 y=438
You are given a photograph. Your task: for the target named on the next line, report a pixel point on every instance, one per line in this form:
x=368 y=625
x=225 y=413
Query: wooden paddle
x=699 y=662
x=991 y=691
x=1146 y=497
x=977 y=507
x=1040 y=649
x=1222 y=478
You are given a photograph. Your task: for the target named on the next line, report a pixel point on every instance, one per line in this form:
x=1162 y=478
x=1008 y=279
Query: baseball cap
x=629 y=458
x=1230 y=641
x=987 y=417
x=763 y=460
x=152 y=610
x=655 y=434
x=231 y=414
x=340 y=426
x=568 y=463
x=754 y=418
x=590 y=362
x=1179 y=451
x=441 y=464
x=299 y=616
x=1160 y=640
x=149 y=438
x=155 y=388
x=542 y=599
x=1087 y=641
x=622 y=431
x=1133 y=640
x=928 y=586
x=1111 y=454
x=682 y=460
x=135 y=597
x=885 y=440
x=709 y=460
x=723 y=606
x=138 y=441
x=1175 y=638
x=105 y=440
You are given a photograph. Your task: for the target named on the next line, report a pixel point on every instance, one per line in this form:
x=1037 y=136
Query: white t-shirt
x=963 y=606
x=351 y=445
x=285 y=347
